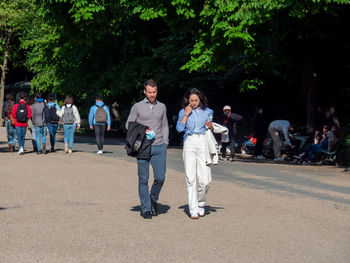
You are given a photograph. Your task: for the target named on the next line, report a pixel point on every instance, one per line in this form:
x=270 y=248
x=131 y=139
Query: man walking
x=21 y=112
x=151 y=113
x=99 y=117
x=39 y=121
x=52 y=119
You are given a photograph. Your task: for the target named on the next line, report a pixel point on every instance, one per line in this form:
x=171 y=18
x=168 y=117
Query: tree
x=110 y=46
x=254 y=31
x=13 y=18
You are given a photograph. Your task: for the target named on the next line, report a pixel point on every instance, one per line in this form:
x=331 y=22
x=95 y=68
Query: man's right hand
x=91 y=127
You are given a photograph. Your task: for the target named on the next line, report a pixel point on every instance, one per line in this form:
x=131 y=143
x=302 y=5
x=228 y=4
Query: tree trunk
x=3 y=73
x=310 y=91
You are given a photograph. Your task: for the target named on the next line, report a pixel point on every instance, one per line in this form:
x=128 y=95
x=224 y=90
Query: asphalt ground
x=82 y=207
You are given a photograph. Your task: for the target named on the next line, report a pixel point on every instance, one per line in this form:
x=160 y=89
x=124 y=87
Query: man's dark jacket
x=137 y=144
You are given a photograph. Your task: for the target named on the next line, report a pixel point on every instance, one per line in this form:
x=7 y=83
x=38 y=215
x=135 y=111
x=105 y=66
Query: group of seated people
x=324 y=141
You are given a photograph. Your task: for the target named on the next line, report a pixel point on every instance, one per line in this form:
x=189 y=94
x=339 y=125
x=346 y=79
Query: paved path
x=84 y=208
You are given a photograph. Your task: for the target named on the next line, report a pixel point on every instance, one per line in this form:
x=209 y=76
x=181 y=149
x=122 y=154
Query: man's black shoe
x=146 y=215
x=53 y=150
x=154 y=208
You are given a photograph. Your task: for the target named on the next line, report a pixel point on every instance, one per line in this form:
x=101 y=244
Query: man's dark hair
x=203 y=102
x=38 y=95
x=30 y=100
x=292 y=125
x=50 y=97
x=98 y=97
x=9 y=96
x=22 y=95
x=150 y=82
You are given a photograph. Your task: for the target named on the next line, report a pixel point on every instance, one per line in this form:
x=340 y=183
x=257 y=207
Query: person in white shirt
x=275 y=128
x=70 y=117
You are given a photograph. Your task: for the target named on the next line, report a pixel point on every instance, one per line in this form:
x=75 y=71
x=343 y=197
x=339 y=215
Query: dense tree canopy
x=266 y=48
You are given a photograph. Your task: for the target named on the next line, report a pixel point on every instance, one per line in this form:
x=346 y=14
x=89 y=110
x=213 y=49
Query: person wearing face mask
x=151 y=113
x=194 y=118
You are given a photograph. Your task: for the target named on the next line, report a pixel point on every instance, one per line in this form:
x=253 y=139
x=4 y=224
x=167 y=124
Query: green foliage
x=13 y=21
x=85 y=47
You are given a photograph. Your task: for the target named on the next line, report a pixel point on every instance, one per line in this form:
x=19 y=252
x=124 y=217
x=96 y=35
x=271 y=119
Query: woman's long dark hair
x=203 y=102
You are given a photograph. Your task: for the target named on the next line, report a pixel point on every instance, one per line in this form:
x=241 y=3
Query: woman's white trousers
x=195 y=168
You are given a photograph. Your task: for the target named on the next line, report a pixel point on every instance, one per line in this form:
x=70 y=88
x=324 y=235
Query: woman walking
x=71 y=121
x=194 y=119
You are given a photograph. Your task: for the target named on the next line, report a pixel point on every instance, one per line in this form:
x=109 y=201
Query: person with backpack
x=99 y=117
x=71 y=121
x=22 y=113
x=10 y=128
x=52 y=119
x=39 y=121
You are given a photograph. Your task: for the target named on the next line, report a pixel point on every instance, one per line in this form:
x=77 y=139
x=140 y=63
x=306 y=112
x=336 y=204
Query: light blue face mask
x=150 y=135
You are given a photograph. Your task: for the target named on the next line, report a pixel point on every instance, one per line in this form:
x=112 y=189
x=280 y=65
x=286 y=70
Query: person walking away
x=259 y=132
x=71 y=121
x=152 y=114
x=193 y=121
x=229 y=120
x=21 y=112
x=275 y=128
x=38 y=118
x=31 y=127
x=52 y=119
x=99 y=117
x=10 y=128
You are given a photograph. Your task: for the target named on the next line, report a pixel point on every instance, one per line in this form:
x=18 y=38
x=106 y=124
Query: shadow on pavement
x=208 y=209
x=162 y=209
x=280 y=183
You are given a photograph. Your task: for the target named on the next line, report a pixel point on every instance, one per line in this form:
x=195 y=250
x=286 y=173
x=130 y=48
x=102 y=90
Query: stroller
x=248 y=146
x=301 y=141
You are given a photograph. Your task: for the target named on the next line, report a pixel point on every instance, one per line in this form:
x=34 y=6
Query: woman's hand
x=187 y=113
x=209 y=124
x=188 y=110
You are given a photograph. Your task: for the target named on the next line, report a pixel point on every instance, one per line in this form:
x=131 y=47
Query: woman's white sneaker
x=20 y=151
x=194 y=216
